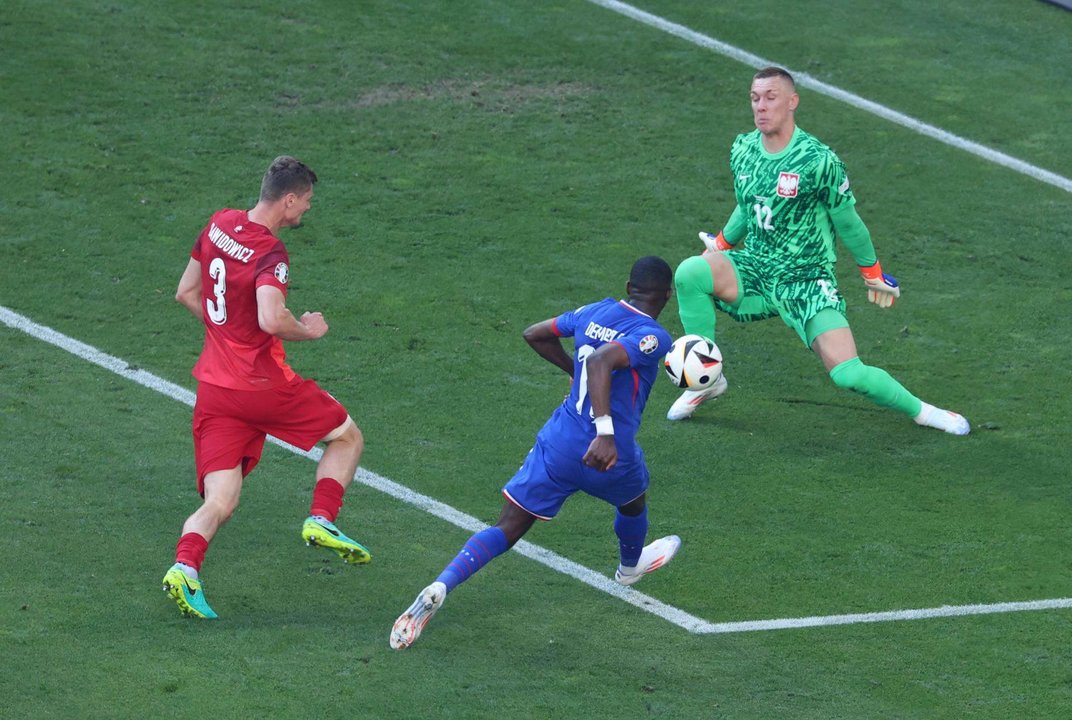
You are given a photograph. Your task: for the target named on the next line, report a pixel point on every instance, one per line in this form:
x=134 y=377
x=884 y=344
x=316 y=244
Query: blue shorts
x=547 y=478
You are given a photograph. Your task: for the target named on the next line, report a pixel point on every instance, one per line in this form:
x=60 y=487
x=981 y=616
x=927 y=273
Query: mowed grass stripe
x=807 y=81
x=527 y=549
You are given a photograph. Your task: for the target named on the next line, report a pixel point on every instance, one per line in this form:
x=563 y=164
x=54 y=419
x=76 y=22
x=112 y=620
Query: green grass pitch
x=484 y=165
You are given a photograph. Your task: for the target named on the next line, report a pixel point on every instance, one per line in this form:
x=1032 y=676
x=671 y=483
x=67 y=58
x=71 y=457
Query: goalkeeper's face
x=773 y=103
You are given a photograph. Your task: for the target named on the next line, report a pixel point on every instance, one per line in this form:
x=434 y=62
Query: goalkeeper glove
x=882 y=289
x=715 y=243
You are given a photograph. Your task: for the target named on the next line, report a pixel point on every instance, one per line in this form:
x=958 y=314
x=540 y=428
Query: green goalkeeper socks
x=877 y=385
x=696 y=307
x=695 y=304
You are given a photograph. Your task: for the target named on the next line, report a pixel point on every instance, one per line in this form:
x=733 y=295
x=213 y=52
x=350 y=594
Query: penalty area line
x=890 y=616
x=546 y=557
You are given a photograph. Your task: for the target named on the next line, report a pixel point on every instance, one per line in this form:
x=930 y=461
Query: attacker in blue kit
x=588 y=444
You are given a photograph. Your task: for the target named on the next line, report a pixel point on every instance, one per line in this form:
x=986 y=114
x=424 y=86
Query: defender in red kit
x=236 y=283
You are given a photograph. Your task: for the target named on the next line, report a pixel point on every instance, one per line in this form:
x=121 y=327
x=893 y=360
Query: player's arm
x=189 y=292
x=542 y=338
x=882 y=289
x=731 y=234
x=602 y=453
x=275 y=319
x=736 y=227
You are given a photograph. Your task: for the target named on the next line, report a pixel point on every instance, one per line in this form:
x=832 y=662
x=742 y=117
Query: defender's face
x=773 y=103
x=296 y=206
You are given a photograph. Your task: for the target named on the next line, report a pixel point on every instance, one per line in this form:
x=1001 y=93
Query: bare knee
x=348 y=432
x=222 y=488
x=348 y=437
x=514 y=522
x=633 y=508
x=222 y=508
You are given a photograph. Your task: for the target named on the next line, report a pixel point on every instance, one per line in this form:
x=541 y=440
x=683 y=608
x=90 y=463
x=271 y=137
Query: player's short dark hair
x=286 y=175
x=775 y=71
x=651 y=274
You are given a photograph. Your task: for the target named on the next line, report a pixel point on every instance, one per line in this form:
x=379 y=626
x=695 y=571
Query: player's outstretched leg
x=188 y=593
x=686 y=405
x=408 y=626
x=946 y=420
x=696 y=307
x=655 y=556
x=318 y=530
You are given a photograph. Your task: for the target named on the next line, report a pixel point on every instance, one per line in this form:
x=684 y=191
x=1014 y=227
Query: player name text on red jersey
x=229 y=245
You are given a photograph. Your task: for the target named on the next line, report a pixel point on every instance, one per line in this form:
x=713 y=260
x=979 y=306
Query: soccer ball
x=693 y=363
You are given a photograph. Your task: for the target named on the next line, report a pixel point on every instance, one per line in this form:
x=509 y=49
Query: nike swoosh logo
x=188 y=588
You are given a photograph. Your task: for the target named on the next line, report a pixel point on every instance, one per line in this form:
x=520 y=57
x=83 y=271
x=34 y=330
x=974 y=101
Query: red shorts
x=230 y=425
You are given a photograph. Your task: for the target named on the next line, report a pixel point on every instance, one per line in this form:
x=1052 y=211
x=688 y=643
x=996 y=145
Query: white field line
x=365 y=477
x=534 y=552
x=805 y=80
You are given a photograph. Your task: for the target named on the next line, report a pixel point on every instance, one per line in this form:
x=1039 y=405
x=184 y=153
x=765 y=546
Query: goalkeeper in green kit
x=775 y=256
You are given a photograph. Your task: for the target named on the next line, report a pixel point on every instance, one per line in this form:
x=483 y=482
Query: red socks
x=190 y=550
x=327 y=498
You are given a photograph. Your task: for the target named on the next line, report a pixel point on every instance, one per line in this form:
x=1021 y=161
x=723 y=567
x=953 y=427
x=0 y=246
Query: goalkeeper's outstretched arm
x=882 y=289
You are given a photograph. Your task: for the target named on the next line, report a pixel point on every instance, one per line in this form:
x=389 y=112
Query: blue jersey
x=570 y=429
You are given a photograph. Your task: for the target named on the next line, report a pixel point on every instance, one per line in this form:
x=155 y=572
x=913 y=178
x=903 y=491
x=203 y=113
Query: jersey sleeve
x=736 y=228
x=854 y=235
x=195 y=251
x=836 y=195
x=566 y=324
x=273 y=268
x=832 y=183
x=645 y=345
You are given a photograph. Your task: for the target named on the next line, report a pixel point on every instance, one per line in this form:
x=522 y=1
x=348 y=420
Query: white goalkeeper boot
x=686 y=405
x=946 y=420
x=653 y=557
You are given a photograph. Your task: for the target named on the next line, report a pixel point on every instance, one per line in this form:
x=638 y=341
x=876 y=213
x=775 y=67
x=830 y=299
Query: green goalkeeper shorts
x=768 y=289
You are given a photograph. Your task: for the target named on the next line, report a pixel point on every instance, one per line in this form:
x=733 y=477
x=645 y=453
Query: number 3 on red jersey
x=217 y=311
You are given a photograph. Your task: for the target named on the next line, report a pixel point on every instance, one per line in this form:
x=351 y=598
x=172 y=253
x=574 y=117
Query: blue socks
x=631 y=531
x=490 y=543
x=478 y=551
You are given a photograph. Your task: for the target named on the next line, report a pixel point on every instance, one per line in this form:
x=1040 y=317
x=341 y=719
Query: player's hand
x=602 y=453
x=314 y=324
x=715 y=243
x=882 y=289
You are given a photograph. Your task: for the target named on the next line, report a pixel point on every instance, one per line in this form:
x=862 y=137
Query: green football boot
x=188 y=594
x=322 y=532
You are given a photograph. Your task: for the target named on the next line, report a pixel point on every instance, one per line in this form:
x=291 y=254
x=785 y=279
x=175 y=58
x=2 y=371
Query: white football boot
x=408 y=626
x=946 y=420
x=686 y=405
x=653 y=557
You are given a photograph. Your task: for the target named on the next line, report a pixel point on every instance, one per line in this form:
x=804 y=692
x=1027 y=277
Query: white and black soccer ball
x=693 y=363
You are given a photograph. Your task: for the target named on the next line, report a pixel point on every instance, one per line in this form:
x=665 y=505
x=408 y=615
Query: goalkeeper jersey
x=785 y=198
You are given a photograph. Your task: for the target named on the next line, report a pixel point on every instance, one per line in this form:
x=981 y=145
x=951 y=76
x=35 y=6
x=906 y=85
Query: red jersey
x=238 y=256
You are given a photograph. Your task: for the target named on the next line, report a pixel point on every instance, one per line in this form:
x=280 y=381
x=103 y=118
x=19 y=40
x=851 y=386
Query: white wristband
x=604 y=425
